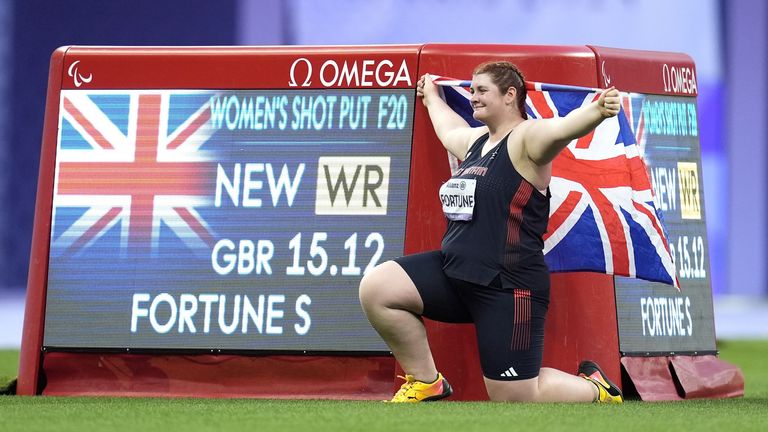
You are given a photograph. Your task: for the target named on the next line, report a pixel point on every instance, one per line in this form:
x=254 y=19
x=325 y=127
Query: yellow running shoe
x=608 y=391
x=419 y=391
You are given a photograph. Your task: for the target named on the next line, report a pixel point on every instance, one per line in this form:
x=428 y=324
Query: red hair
x=505 y=75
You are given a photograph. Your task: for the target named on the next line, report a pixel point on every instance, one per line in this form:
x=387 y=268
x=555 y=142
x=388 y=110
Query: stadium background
x=727 y=40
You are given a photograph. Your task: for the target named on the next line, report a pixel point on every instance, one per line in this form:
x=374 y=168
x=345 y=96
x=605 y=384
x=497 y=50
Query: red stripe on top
x=148 y=129
x=142 y=203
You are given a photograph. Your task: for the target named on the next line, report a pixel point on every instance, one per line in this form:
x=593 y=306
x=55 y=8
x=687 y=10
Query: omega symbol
x=307 y=81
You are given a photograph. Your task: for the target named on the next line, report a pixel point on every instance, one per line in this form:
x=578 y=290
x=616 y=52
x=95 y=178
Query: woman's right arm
x=452 y=130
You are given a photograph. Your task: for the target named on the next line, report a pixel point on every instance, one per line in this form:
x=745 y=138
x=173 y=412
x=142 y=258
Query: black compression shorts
x=509 y=322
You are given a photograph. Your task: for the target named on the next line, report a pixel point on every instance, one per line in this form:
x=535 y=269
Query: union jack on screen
x=602 y=215
x=128 y=165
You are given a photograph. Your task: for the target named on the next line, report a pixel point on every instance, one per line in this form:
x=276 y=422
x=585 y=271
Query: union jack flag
x=602 y=214
x=128 y=165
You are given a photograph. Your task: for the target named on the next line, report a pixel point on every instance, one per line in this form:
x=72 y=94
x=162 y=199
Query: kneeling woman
x=490 y=270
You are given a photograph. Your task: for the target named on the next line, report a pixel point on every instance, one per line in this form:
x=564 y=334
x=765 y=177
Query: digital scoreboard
x=656 y=318
x=238 y=220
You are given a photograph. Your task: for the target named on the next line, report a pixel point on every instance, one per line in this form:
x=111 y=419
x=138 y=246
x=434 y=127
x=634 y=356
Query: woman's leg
x=551 y=385
x=394 y=307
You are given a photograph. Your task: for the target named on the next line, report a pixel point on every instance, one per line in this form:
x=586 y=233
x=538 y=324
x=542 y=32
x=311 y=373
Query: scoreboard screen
x=656 y=318
x=236 y=220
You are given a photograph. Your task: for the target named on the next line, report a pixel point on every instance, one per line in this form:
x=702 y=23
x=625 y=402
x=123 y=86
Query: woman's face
x=487 y=101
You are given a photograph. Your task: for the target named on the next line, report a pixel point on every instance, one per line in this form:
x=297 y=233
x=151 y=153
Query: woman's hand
x=452 y=130
x=609 y=102
x=426 y=89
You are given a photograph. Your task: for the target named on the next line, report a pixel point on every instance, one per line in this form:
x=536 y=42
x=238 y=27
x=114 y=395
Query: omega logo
x=678 y=79
x=364 y=73
x=307 y=81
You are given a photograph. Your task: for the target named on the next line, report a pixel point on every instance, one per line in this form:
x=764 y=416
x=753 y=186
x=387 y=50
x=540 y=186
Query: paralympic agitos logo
x=78 y=78
x=357 y=73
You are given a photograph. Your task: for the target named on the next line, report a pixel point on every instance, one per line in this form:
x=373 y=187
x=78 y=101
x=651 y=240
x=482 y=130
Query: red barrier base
x=681 y=377
x=225 y=376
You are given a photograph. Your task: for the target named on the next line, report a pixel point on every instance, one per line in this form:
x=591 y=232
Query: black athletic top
x=504 y=237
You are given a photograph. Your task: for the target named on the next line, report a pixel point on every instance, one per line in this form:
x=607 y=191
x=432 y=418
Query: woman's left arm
x=544 y=139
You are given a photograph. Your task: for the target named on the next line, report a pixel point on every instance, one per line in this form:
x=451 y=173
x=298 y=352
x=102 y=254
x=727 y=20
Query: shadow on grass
x=8 y=388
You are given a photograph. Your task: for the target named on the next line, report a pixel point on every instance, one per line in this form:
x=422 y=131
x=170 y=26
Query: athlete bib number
x=458 y=198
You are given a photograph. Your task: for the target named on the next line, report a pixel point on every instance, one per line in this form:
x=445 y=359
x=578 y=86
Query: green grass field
x=110 y=414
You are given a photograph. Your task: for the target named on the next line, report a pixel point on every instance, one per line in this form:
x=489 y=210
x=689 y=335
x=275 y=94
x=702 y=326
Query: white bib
x=458 y=198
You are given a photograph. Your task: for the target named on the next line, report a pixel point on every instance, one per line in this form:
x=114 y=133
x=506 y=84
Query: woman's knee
x=373 y=286
x=370 y=286
x=387 y=285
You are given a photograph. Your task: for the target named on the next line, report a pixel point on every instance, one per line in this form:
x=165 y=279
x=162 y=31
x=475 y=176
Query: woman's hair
x=505 y=75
